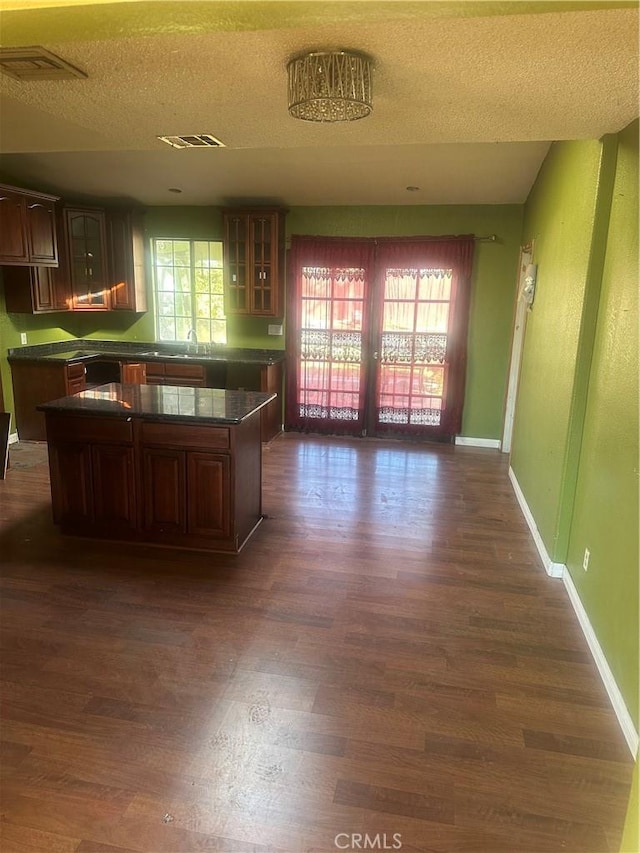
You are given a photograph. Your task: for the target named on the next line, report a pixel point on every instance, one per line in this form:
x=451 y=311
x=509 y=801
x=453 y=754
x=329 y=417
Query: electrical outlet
x=275 y=329
x=23 y=337
x=585 y=559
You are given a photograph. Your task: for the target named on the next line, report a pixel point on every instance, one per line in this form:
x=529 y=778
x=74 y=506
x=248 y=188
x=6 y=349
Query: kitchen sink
x=157 y=354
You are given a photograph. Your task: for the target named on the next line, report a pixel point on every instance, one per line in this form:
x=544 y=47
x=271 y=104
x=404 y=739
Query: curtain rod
x=490 y=238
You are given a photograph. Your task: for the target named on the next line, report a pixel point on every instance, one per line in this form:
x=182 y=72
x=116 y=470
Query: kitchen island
x=44 y=372
x=164 y=465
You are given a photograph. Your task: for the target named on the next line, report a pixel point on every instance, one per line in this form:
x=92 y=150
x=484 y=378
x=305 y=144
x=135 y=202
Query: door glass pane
x=411 y=368
x=331 y=374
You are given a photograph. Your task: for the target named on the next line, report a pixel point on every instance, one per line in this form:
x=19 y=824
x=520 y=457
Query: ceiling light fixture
x=330 y=86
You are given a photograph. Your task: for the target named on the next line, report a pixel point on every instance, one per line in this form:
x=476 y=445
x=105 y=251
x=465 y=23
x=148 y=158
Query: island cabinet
x=27 y=227
x=92 y=469
x=261 y=377
x=187 y=486
x=179 y=467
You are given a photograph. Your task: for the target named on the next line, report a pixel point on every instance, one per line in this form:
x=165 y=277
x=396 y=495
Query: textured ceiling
x=467 y=98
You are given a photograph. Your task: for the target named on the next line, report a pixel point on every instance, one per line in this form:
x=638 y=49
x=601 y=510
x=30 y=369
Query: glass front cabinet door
x=86 y=240
x=253 y=262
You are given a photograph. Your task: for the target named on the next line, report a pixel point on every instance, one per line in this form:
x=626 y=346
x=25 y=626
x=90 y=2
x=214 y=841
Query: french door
x=410 y=336
x=375 y=347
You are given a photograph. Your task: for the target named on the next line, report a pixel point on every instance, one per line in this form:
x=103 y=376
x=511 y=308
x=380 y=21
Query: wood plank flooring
x=386 y=661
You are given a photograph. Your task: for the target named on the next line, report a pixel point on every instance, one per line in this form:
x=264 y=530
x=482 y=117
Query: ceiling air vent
x=193 y=140
x=35 y=63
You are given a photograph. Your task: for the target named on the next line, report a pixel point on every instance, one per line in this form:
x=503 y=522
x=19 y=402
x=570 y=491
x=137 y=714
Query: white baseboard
x=495 y=443
x=559 y=570
x=613 y=691
x=13 y=438
x=554 y=570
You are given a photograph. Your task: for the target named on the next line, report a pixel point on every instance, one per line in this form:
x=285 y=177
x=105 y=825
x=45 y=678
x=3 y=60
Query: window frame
x=193 y=322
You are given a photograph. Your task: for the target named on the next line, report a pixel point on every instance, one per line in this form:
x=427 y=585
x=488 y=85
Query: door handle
x=376 y=355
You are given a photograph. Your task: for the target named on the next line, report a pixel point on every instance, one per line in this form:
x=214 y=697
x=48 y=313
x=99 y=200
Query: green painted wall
x=575 y=447
x=605 y=518
x=559 y=216
x=491 y=307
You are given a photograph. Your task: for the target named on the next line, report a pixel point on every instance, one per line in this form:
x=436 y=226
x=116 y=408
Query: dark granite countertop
x=162 y=403
x=84 y=350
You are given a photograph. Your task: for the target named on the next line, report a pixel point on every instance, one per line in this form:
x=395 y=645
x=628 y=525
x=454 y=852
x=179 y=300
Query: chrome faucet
x=192 y=338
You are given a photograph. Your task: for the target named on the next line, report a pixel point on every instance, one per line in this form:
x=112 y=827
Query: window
x=188 y=290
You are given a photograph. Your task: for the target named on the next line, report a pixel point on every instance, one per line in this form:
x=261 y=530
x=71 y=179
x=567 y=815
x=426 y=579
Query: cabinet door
x=126 y=260
x=29 y=290
x=164 y=490
x=209 y=495
x=42 y=290
x=114 y=493
x=71 y=488
x=136 y=374
x=86 y=243
x=41 y=231
x=236 y=251
x=76 y=378
x=264 y=264
x=253 y=254
x=13 y=231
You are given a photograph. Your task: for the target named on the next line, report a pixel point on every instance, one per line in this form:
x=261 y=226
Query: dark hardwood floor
x=386 y=657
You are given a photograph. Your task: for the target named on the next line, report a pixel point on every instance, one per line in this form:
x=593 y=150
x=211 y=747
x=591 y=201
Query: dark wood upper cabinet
x=253 y=245
x=27 y=227
x=86 y=243
x=125 y=241
x=41 y=231
x=70 y=258
x=30 y=290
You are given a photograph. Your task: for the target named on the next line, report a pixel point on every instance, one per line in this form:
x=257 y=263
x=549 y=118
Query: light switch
x=275 y=329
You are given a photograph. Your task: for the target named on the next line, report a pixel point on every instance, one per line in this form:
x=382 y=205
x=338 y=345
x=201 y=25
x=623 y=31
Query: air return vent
x=193 y=140
x=35 y=63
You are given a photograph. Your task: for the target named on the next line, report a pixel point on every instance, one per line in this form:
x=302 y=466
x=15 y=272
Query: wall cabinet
x=253 y=245
x=27 y=227
x=125 y=241
x=86 y=244
x=34 y=290
x=101 y=266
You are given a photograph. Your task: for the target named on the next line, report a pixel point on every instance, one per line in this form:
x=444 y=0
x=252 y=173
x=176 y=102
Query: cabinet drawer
x=155 y=368
x=63 y=428
x=177 y=435
x=184 y=371
x=75 y=371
